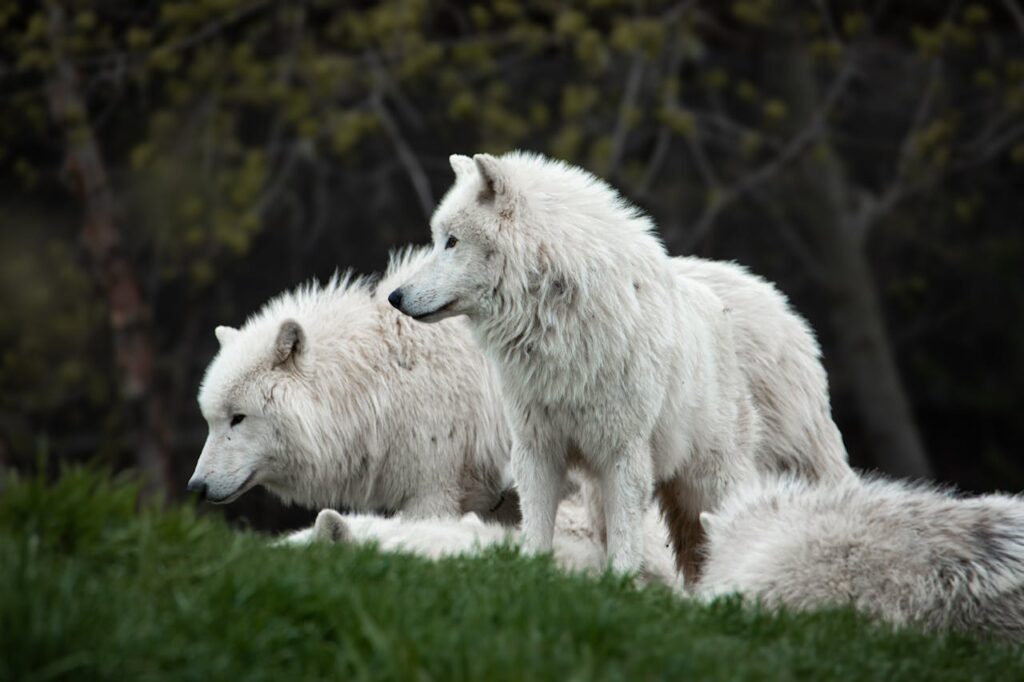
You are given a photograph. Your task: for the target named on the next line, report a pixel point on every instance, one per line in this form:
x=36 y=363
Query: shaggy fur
x=609 y=357
x=905 y=554
x=781 y=360
x=348 y=403
x=576 y=546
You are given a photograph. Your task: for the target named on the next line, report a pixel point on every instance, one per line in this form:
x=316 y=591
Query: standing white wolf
x=610 y=356
x=329 y=397
x=904 y=554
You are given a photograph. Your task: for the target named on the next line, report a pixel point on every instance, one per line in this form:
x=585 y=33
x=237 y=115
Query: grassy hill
x=92 y=587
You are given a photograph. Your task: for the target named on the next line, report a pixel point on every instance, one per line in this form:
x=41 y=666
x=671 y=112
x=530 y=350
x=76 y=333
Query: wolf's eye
x=450 y=244
x=236 y=419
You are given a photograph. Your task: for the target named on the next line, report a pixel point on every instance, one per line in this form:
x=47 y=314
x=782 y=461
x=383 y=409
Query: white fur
x=781 y=360
x=348 y=403
x=610 y=356
x=576 y=546
x=903 y=553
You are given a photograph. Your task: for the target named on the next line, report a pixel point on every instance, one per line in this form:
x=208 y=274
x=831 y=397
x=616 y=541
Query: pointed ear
x=462 y=165
x=225 y=334
x=708 y=521
x=493 y=173
x=290 y=343
x=330 y=526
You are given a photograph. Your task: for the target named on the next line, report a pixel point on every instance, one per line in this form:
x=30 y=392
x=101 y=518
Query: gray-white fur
x=610 y=357
x=781 y=359
x=576 y=545
x=906 y=554
x=348 y=403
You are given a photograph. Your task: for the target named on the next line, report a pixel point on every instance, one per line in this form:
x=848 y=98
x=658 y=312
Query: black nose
x=198 y=486
x=395 y=298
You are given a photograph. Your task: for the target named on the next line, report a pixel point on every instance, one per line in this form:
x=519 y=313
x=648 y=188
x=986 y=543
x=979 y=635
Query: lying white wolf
x=905 y=554
x=614 y=357
x=576 y=547
x=329 y=397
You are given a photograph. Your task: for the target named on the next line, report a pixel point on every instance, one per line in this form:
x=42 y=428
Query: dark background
x=167 y=166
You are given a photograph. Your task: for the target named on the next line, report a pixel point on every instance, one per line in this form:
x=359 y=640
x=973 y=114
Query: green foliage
x=94 y=589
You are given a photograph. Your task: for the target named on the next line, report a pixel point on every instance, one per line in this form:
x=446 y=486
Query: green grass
x=91 y=587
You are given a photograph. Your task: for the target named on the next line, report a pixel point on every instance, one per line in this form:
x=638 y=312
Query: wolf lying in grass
x=906 y=554
x=577 y=547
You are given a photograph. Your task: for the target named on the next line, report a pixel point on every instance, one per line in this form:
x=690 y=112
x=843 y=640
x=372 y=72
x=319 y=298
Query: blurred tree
x=127 y=312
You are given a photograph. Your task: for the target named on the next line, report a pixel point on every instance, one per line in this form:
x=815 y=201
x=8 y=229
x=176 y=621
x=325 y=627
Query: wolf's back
x=908 y=555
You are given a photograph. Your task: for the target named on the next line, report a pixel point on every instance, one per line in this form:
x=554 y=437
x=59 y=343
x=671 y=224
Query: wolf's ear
x=290 y=343
x=330 y=526
x=708 y=521
x=462 y=165
x=494 y=177
x=225 y=334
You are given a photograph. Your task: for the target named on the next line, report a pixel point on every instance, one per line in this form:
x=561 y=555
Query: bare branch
x=657 y=158
x=629 y=97
x=791 y=235
x=204 y=33
x=664 y=139
x=826 y=18
x=417 y=176
x=721 y=199
x=802 y=140
x=402 y=103
x=1016 y=12
x=996 y=144
x=872 y=209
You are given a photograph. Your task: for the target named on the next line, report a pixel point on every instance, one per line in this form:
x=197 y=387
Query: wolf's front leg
x=626 y=487
x=539 y=473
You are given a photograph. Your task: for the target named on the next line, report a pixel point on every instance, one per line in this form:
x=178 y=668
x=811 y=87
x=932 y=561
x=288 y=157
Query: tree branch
x=1016 y=12
x=629 y=97
x=721 y=199
x=417 y=176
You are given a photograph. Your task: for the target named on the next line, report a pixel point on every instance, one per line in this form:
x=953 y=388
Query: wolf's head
x=467 y=229
x=243 y=398
x=330 y=528
x=520 y=226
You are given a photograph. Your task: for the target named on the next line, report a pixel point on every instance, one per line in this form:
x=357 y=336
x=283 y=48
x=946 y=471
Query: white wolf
x=611 y=355
x=353 y=416
x=576 y=547
x=329 y=397
x=905 y=554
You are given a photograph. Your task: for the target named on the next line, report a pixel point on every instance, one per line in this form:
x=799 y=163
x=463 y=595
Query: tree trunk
x=862 y=346
x=130 y=321
x=864 y=350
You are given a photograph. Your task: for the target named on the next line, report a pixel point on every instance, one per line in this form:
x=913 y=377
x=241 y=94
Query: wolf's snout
x=395 y=298
x=197 y=485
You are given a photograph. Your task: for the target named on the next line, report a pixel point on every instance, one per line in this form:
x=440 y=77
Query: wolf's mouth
x=239 y=491
x=447 y=306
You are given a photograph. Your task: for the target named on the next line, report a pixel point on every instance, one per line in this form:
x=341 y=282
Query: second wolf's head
x=462 y=270
x=520 y=227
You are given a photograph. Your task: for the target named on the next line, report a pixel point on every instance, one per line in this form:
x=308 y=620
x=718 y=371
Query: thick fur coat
x=610 y=356
x=576 y=546
x=906 y=554
x=329 y=397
